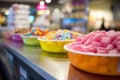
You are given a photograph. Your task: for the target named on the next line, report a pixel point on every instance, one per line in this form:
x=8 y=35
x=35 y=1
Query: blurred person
x=102 y=27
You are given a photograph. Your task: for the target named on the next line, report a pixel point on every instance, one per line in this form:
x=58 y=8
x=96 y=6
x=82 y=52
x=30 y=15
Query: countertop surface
x=55 y=64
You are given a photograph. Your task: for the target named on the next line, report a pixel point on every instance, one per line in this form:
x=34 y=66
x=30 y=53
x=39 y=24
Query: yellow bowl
x=55 y=46
x=30 y=40
x=105 y=64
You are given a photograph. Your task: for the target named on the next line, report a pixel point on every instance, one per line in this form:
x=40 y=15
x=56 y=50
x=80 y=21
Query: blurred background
x=78 y=15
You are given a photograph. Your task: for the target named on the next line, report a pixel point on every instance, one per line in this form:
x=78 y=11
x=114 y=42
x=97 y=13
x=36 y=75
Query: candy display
x=99 y=42
x=36 y=32
x=16 y=33
x=55 y=40
x=20 y=30
x=60 y=35
x=98 y=52
x=30 y=38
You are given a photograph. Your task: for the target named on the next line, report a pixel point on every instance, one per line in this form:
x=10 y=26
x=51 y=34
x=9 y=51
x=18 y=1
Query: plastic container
x=16 y=37
x=55 y=46
x=30 y=40
x=105 y=64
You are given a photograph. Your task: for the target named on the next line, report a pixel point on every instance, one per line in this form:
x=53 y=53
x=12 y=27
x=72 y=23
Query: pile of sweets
x=101 y=42
x=60 y=35
x=20 y=30
x=36 y=32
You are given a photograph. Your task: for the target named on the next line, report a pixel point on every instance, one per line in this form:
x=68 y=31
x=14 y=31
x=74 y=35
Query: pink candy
x=109 y=47
x=101 y=50
x=114 y=51
x=98 y=42
x=105 y=41
x=77 y=47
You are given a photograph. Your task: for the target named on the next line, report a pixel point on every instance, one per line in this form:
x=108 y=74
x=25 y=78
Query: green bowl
x=30 y=40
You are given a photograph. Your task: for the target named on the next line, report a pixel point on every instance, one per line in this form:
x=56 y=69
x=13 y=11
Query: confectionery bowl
x=54 y=45
x=104 y=64
x=30 y=40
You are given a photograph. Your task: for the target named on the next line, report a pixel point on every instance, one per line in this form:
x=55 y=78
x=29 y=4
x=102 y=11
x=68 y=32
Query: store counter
x=53 y=65
x=31 y=63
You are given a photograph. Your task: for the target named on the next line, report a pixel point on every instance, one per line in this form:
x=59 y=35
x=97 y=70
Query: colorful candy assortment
x=54 y=41
x=98 y=42
x=60 y=35
x=98 y=52
x=20 y=31
x=30 y=38
x=36 y=32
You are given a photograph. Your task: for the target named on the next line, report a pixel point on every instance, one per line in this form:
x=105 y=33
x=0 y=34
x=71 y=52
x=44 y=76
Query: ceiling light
x=42 y=3
x=7 y=12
